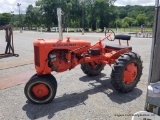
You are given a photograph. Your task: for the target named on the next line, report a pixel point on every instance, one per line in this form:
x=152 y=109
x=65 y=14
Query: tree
x=29 y=16
x=88 y=13
x=48 y=11
x=118 y=23
x=5 y=18
x=129 y=20
x=122 y=13
x=140 y=14
x=104 y=12
x=73 y=13
x=125 y=24
x=141 y=19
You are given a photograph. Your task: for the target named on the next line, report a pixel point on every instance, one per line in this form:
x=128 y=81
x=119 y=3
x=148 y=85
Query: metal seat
x=118 y=47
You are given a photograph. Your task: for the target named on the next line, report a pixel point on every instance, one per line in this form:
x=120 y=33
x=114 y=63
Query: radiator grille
x=36 y=56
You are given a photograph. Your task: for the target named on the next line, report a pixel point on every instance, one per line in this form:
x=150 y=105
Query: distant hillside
x=135 y=15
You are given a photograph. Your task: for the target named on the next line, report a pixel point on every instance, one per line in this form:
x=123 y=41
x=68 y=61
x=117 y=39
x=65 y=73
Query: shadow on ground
x=66 y=101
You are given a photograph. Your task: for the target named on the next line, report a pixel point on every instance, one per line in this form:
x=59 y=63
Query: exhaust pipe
x=59 y=14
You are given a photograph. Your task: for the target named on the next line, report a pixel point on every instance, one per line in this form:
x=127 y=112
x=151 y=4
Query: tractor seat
x=118 y=47
x=123 y=37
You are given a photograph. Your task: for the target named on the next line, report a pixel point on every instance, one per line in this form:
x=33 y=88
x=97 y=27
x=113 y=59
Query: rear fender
x=119 y=53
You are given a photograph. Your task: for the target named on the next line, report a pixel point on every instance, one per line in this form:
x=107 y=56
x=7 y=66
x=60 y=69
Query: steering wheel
x=111 y=35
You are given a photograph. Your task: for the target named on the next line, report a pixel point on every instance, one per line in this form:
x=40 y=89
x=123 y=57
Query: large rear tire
x=92 y=69
x=126 y=72
x=41 y=89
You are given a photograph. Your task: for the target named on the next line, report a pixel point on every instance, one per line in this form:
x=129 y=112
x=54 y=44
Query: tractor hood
x=68 y=44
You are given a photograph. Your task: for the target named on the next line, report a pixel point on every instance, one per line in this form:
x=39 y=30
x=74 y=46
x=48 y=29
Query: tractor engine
x=62 y=60
x=54 y=55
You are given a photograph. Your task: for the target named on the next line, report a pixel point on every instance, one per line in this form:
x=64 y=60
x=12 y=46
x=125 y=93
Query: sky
x=11 y=5
x=135 y=2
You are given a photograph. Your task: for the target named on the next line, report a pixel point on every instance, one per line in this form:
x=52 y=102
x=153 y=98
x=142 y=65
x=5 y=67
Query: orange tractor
x=59 y=56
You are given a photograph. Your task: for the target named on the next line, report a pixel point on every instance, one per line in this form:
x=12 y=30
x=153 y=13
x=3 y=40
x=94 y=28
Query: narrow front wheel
x=41 y=89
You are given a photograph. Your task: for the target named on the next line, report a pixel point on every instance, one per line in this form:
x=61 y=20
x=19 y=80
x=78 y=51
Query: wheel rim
x=130 y=73
x=40 y=90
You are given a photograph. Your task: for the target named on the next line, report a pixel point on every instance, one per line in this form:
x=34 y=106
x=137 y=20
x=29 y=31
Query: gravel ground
x=78 y=97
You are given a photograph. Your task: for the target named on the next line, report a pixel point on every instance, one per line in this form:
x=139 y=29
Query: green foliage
x=78 y=13
x=5 y=18
x=129 y=20
x=32 y=17
x=141 y=19
x=125 y=24
x=94 y=14
x=139 y=14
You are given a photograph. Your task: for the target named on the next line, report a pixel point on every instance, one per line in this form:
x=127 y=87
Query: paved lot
x=78 y=97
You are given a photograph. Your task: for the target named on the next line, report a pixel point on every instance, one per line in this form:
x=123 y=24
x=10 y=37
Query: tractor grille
x=36 y=56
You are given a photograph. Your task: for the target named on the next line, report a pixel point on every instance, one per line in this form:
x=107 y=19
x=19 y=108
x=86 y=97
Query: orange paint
x=59 y=56
x=40 y=90
x=130 y=73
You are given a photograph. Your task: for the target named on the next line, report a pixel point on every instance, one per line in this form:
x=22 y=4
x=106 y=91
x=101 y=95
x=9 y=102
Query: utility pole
x=12 y=14
x=153 y=102
x=19 y=4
